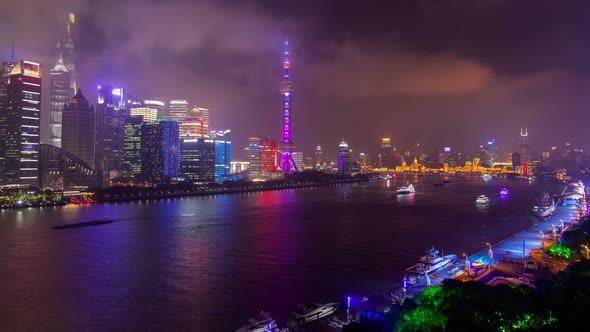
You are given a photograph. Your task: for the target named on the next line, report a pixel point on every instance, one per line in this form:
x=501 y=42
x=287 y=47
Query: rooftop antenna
x=13 y=50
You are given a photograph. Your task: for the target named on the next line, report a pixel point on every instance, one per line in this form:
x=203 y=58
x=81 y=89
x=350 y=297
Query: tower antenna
x=286 y=162
x=13 y=50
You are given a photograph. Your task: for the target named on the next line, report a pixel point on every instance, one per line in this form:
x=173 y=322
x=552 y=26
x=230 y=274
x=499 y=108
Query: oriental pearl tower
x=286 y=162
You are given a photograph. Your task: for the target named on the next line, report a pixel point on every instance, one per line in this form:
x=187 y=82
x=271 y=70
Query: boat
x=408 y=188
x=431 y=262
x=486 y=176
x=504 y=192
x=262 y=322
x=85 y=223
x=544 y=206
x=307 y=312
x=482 y=199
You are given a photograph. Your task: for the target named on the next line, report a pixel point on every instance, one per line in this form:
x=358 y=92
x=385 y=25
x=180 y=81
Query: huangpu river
x=208 y=263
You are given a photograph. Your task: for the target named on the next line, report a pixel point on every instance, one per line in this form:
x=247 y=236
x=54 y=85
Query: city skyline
x=437 y=83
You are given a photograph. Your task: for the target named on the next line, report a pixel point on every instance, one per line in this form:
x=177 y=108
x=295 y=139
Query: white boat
x=431 y=262
x=307 y=312
x=482 y=199
x=260 y=323
x=544 y=206
x=486 y=176
x=408 y=188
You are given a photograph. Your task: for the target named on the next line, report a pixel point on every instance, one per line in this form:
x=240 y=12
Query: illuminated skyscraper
x=171 y=147
x=298 y=159
x=152 y=152
x=269 y=150
x=202 y=115
x=79 y=128
x=178 y=109
x=158 y=105
x=197 y=160
x=111 y=113
x=5 y=71
x=65 y=49
x=254 y=156
x=318 y=157
x=222 y=140
x=343 y=159
x=523 y=146
x=132 y=157
x=386 y=153
x=286 y=163
x=20 y=121
x=149 y=114
x=59 y=95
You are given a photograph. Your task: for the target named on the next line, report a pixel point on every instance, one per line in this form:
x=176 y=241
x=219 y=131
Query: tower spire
x=286 y=162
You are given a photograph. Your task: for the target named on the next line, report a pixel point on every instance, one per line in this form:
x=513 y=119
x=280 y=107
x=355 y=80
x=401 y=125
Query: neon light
x=32 y=73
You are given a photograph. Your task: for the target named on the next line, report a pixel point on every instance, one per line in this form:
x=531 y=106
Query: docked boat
x=482 y=199
x=544 y=206
x=486 y=176
x=260 y=323
x=307 y=312
x=408 y=188
x=432 y=262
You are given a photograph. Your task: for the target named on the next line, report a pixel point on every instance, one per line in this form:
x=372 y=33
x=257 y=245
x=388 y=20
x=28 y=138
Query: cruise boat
x=260 y=323
x=307 y=312
x=431 y=262
x=544 y=206
x=408 y=188
x=482 y=199
x=486 y=176
x=504 y=192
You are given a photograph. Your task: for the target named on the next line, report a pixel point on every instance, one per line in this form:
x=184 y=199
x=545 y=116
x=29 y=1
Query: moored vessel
x=544 y=206
x=262 y=322
x=482 y=199
x=307 y=312
x=432 y=262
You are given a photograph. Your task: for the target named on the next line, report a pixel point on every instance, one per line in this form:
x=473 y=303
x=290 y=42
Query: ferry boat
x=504 y=192
x=486 y=176
x=544 y=206
x=307 y=312
x=263 y=322
x=431 y=262
x=408 y=188
x=482 y=199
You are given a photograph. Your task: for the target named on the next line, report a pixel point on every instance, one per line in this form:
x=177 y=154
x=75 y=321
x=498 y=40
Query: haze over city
x=443 y=74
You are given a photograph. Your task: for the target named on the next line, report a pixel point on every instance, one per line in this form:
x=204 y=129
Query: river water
x=208 y=263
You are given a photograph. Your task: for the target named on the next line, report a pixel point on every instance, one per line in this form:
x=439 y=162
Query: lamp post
x=587 y=249
x=542 y=240
x=554 y=231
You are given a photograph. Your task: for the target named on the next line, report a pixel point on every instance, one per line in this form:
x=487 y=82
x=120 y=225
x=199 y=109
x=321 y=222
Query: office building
x=171 y=146
x=5 y=71
x=222 y=139
x=152 y=153
x=298 y=159
x=343 y=159
x=132 y=149
x=269 y=155
x=387 y=158
x=178 y=109
x=239 y=167
x=318 y=159
x=79 y=128
x=197 y=160
x=158 y=105
x=254 y=156
x=59 y=80
x=149 y=114
x=20 y=121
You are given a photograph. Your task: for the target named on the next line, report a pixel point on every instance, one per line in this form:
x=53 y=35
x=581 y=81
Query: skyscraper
x=5 y=71
x=149 y=114
x=222 y=140
x=286 y=163
x=178 y=109
x=298 y=159
x=59 y=96
x=132 y=149
x=157 y=104
x=65 y=49
x=386 y=153
x=197 y=160
x=269 y=150
x=171 y=146
x=152 y=152
x=111 y=113
x=254 y=158
x=79 y=128
x=343 y=159
x=20 y=121
x=201 y=115
x=523 y=146
x=318 y=160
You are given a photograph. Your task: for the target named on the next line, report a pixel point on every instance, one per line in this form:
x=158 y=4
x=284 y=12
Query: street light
x=587 y=249
x=554 y=231
x=490 y=253
x=542 y=240
x=467 y=265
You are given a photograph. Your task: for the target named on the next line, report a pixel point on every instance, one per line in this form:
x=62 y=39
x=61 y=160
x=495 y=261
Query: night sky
x=443 y=73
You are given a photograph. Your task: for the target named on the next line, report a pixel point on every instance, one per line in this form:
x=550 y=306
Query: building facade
x=197 y=160
x=178 y=109
x=152 y=153
x=343 y=159
x=171 y=146
x=222 y=139
x=149 y=114
x=254 y=156
x=5 y=71
x=59 y=80
x=132 y=157
x=78 y=128
x=269 y=156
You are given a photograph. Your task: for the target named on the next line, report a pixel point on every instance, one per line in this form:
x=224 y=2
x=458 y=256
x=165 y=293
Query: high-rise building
x=152 y=152
x=386 y=153
x=200 y=115
x=20 y=121
x=318 y=157
x=149 y=114
x=222 y=140
x=59 y=95
x=5 y=71
x=197 y=160
x=254 y=157
x=79 y=128
x=65 y=49
x=286 y=163
x=132 y=157
x=343 y=159
x=178 y=109
x=269 y=150
x=171 y=145
x=298 y=159
x=111 y=113
x=523 y=146
x=158 y=105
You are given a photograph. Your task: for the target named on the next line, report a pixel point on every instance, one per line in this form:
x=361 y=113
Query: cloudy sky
x=443 y=73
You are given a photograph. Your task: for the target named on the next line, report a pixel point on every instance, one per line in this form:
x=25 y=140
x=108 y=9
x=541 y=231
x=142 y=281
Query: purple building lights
x=286 y=162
